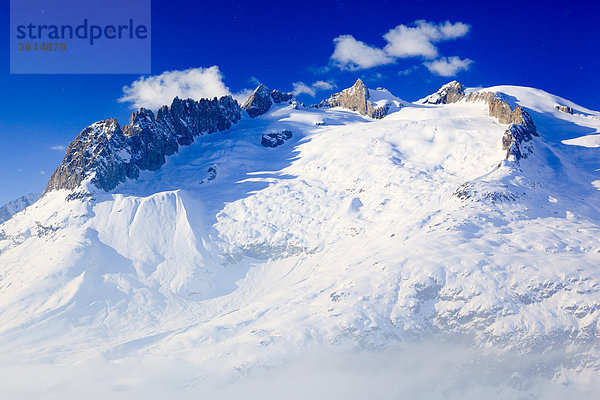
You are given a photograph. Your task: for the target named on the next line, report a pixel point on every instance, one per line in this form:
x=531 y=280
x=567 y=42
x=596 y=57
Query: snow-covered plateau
x=410 y=256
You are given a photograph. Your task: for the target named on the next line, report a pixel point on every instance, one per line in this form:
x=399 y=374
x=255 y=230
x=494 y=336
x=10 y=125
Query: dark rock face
x=259 y=102
x=109 y=154
x=379 y=112
x=280 y=97
x=517 y=138
x=355 y=98
x=211 y=174
x=449 y=93
x=565 y=109
x=275 y=139
x=261 y=99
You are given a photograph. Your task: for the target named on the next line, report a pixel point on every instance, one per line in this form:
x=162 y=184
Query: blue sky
x=550 y=45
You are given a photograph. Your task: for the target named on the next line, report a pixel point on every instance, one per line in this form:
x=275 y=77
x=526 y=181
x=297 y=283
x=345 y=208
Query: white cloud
x=409 y=42
x=58 y=147
x=448 y=66
x=154 y=91
x=417 y=40
x=303 y=88
x=311 y=90
x=42 y=172
x=413 y=41
x=323 y=85
x=353 y=54
x=454 y=31
x=408 y=71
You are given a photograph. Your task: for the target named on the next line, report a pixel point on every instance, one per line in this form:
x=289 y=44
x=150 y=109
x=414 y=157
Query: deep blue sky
x=551 y=45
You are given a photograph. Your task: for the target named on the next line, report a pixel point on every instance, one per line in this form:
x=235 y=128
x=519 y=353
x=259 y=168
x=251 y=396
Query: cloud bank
x=353 y=54
x=152 y=92
x=418 y=40
x=427 y=371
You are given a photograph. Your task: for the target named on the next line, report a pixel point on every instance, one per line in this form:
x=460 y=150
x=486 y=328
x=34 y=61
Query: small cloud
x=377 y=76
x=254 y=80
x=413 y=41
x=448 y=66
x=320 y=70
x=311 y=90
x=42 y=172
x=58 y=147
x=416 y=40
x=323 y=85
x=352 y=54
x=453 y=31
x=152 y=92
x=303 y=88
x=408 y=71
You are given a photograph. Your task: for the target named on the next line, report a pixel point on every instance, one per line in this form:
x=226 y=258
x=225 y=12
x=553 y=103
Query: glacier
x=357 y=236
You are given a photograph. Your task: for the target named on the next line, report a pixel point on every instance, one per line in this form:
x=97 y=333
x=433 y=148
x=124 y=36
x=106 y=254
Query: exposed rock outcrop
x=355 y=98
x=261 y=99
x=565 y=109
x=517 y=137
x=276 y=138
x=109 y=154
x=449 y=93
x=281 y=97
x=259 y=102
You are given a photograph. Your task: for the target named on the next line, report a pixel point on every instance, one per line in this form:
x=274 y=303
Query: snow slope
x=17 y=205
x=361 y=234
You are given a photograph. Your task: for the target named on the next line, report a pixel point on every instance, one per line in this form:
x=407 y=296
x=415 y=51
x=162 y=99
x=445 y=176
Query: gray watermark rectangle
x=80 y=37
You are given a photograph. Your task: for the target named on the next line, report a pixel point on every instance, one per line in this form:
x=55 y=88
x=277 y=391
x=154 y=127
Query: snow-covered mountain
x=17 y=205
x=244 y=236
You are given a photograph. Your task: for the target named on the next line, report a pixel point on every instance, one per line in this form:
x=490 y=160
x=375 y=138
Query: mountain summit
x=356 y=98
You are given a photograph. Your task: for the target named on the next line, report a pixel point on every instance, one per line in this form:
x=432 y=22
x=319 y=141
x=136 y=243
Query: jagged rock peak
x=261 y=99
x=451 y=92
x=281 y=97
x=359 y=88
x=108 y=154
x=356 y=98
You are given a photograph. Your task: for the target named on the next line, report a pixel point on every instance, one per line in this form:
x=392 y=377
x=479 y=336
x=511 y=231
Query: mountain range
x=244 y=235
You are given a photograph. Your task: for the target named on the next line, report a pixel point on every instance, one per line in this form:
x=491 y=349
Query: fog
x=425 y=371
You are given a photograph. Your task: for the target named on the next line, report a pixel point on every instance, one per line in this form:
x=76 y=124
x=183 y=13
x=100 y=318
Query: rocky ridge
x=355 y=98
x=451 y=92
x=17 y=205
x=109 y=154
x=261 y=100
x=518 y=136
